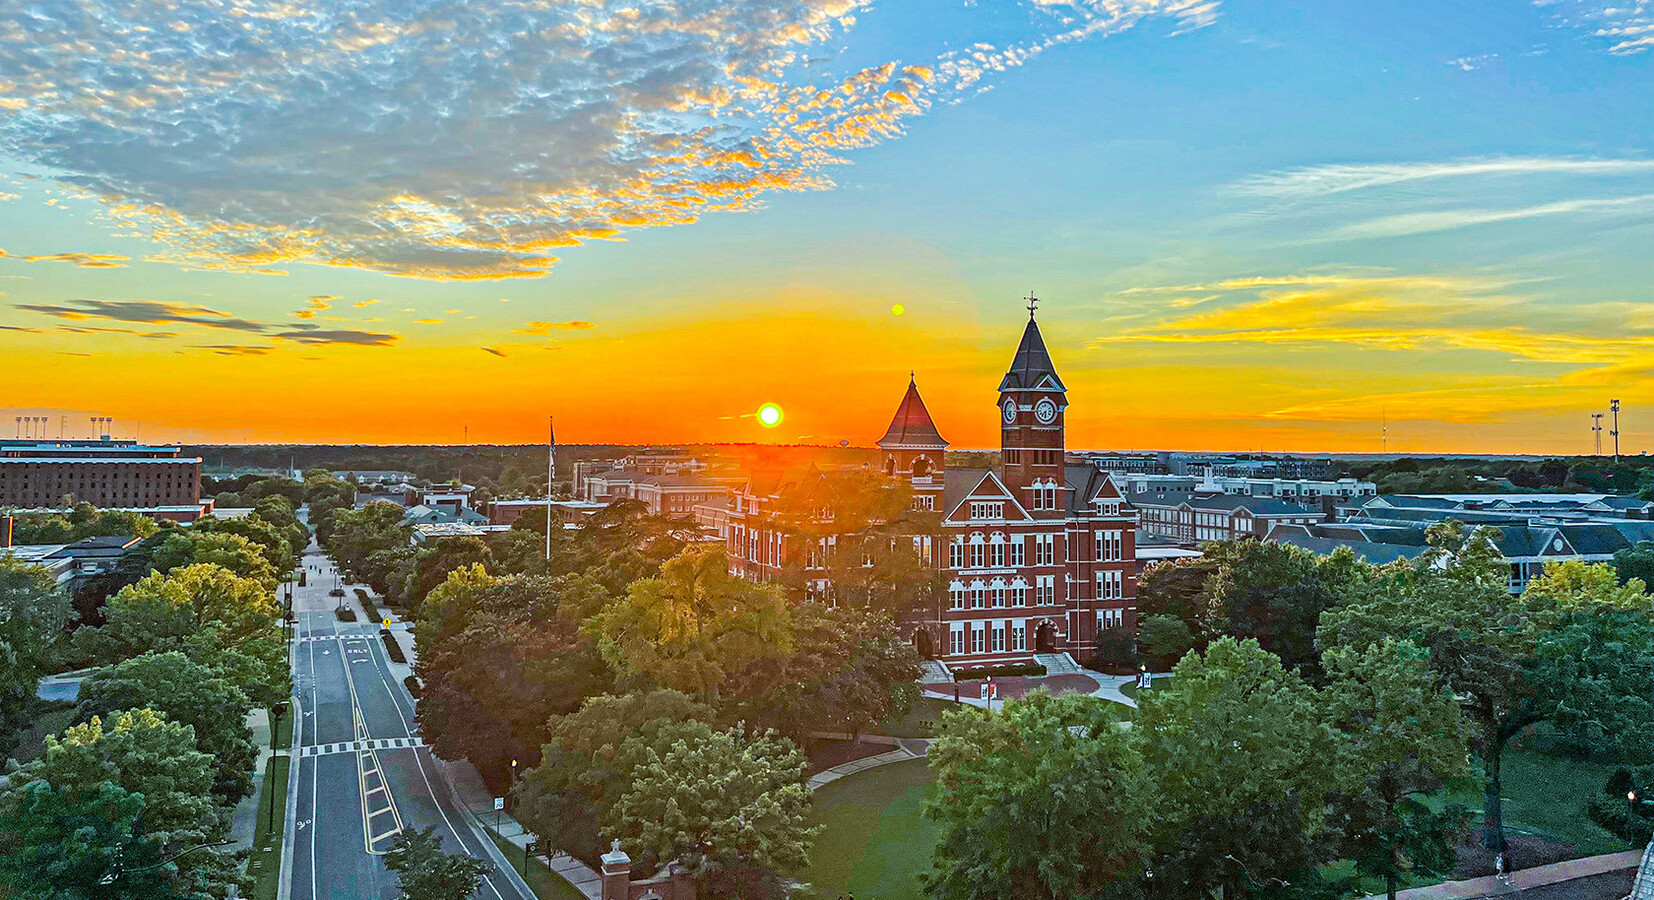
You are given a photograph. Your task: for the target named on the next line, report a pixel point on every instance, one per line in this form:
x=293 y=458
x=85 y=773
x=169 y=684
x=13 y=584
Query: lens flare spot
x=898 y=309
x=769 y=415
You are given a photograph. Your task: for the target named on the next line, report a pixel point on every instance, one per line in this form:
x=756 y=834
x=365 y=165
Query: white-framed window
x=985 y=509
x=956 y=596
x=1045 y=589
x=978 y=637
x=976 y=551
x=1110 y=585
x=1016 y=555
x=1019 y=634
x=924 y=501
x=997 y=629
x=1110 y=546
x=1019 y=593
x=979 y=595
x=996 y=551
x=1045 y=549
x=1110 y=618
x=996 y=593
x=956 y=554
x=956 y=639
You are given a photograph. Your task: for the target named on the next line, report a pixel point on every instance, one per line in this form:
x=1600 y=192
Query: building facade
x=1034 y=557
x=1193 y=518
x=109 y=474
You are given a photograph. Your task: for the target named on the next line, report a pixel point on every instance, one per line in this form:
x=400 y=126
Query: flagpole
x=551 y=473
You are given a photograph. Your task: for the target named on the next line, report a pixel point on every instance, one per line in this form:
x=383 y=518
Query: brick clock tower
x=1032 y=401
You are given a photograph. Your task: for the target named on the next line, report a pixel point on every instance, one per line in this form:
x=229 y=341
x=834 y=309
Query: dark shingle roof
x=912 y=425
x=1032 y=364
x=958 y=485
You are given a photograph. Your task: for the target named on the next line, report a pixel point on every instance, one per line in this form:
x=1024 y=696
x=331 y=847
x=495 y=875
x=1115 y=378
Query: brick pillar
x=683 y=883
x=617 y=874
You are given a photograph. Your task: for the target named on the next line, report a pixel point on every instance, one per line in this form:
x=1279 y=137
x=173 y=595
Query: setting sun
x=769 y=415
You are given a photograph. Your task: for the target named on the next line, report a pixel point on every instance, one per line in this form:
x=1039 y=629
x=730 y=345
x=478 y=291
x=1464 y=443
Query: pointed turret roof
x=1032 y=368
x=912 y=426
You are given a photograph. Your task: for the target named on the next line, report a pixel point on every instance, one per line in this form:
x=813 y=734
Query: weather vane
x=1033 y=302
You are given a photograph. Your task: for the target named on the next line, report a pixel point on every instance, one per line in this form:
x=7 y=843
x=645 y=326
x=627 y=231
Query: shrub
x=392 y=648
x=975 y=673
x=366 y=599
x=345 y=614
x=412 y=685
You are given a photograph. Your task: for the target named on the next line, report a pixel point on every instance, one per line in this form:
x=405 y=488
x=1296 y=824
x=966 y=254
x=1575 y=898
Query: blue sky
x=1253 y=225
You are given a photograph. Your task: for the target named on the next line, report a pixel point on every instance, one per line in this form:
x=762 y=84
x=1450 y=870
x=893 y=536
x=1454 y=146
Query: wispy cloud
x=149 y=312
x=1320 y=181
x=233 y=349
x=313 y=305
x=544 y=329
x=339 y=336
x=1423 y=222
x=84 y=260
x=470 y=140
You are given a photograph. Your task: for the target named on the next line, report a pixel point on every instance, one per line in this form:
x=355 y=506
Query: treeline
x=635 y=688
x=1315 y=701
x=1450 y=475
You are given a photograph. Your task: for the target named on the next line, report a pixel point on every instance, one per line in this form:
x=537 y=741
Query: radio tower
x=1614 y=407
x=1596 y=433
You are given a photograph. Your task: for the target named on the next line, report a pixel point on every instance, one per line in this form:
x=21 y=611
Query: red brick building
x=108 y=474
x=1036 y=556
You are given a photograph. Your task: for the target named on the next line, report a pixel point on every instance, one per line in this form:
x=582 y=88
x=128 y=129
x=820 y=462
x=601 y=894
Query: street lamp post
x=276 y=712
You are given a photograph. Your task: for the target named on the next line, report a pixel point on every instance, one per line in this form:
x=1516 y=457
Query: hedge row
x=412 y=684
x=345 y=613
x=366 y=599
x=977 y=673
x=391 y=646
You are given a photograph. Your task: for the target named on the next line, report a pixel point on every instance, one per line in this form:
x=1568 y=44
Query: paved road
x=361 y=775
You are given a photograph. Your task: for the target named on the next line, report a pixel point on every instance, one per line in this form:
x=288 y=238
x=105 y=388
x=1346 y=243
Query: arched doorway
x=923 y=643
x=1045 y=637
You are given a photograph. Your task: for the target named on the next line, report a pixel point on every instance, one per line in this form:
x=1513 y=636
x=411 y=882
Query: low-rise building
x=1191 y=518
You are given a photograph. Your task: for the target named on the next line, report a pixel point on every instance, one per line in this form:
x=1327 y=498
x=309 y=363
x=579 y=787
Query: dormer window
x=988 y=510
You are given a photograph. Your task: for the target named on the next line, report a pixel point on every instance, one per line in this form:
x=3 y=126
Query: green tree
x=231 y=551
x=513 y=483
x=161 y=611
x=694 y=624
x=1404 y=736
x=715 y=802
x=356 y=535
x=1166 y=638
x=187 y=693
x=162 y=807
x=1636 y=563
x=271 y=541
x=850 y=669
x=33 y=615
x=1239 y=758
x=1042 y=800
x=498 y=659
x=424 y=872
x=580 y=777
x=443 y=556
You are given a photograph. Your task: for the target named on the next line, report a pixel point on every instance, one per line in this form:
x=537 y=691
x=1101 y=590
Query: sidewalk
x=906 y=749
x=475 y=799
x=1522 y=879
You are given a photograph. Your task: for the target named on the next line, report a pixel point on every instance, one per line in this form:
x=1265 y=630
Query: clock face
x=1010 y=411
x=1045 y=411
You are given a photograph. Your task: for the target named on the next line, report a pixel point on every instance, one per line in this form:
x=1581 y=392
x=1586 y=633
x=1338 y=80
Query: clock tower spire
x=1032 y=403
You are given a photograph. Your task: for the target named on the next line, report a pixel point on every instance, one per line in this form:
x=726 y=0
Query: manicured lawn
x=284 y=732
x=1546 y=795
x=267 y=840
x=874 y=841
x=1159 y=682
x=546 y=884
x=920 y=721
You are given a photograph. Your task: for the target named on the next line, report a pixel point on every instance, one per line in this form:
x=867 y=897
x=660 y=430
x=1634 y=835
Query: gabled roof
x=1032 y=368
x=964 y=484
x=1085 y=484
x=912 y=426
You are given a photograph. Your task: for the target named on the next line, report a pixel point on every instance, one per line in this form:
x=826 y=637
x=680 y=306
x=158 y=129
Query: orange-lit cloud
x=545 y=329
x=704 y=108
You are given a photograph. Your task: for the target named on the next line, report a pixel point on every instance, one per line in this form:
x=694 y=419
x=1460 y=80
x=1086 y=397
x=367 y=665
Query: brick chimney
x=617 y=873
